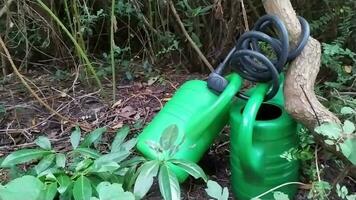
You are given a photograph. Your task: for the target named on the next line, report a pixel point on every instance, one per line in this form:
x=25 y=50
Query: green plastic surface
x=257 y=146
x=200 y=115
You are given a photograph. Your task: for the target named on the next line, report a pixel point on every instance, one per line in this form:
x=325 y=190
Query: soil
x=136 y=103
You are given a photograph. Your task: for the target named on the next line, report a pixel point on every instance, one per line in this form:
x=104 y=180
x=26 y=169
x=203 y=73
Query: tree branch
x=192 y=43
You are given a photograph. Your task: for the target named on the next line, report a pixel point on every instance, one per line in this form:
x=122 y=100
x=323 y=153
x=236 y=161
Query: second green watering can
x=260 y=133
x=199 y=113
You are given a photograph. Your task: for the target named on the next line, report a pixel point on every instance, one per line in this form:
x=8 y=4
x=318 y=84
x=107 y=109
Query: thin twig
x=277 y=187
x=192 y=43
x=306 y=96
x=247 y=28
x=316 y=163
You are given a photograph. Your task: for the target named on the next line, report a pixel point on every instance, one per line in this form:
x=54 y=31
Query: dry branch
x=192 y=43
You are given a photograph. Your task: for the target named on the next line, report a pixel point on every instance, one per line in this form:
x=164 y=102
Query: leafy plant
x=162 y=167
x=320 y=190
x=215 y=191
x=343 y=193
x=83 y=173
x=343 y=137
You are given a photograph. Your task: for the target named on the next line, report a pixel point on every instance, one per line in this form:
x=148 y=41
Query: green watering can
x=199 y=113
x=260 y=133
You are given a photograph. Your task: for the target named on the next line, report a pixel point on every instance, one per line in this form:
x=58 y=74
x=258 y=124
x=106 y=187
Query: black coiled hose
x=252 y=64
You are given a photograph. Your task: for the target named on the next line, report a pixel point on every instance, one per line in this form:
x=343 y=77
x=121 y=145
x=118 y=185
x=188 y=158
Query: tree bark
x=300 y=99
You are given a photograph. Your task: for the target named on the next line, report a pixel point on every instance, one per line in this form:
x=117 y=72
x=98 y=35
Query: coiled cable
x=248 y=60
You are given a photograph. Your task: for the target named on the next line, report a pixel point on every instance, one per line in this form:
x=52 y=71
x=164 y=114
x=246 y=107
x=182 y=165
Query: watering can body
x=199 y=113
x=260 y=134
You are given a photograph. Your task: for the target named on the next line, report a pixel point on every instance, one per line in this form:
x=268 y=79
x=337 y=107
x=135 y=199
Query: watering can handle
x=224 y=100
x=251 y=157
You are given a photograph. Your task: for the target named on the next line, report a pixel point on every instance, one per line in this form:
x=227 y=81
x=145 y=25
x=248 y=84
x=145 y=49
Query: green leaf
x=191 y=168
x=49 y=192
x=129 y=178
x=113 y=191
x=43 y=142
x=26 y=186
x=48 y=172
x=119 y=138
x=347 y=111
x=84 y=164
x=144 y=180
x=23 y=156
x=168 y=183
x=330 y=130
x=129 y=145
x=75 y=137
x=90 y=153
x=112 y=157
x=45 y=163
x=280 y=196
x=61 y=160
x=105 y=167
x=348 y=148
x=64 y=182
x=348 y=127
x=92 y=137
x=168 y=137
x=214 y=189
x=82 y=189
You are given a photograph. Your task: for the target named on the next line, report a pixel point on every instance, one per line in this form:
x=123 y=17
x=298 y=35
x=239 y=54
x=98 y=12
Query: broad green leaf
x=348 y=127
x=132 y=161
x=112 y=157
x=23 y=156
x=84 y=164
x=280 y=196
x=113 y=191
x=61 y=160
x=47 y=172
x=168 y=183
x=154 y=146
x=348 y=148
x=64 y=182
x=225 y=194
x=144 y=180
x=129 y=145
x=26 y=186
x=43 y=142
x=92 y=137
x=45 y=163
x=119 y=138
x=82 y=189
x=51 y=177
x=169 y=137
x=75 y=137
x=347 y=111
x=214 y=190
x=105 y=167
x=191 y=168
x=49 y=192
x=130 y=177
x=330 y=130
x=90 y=153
